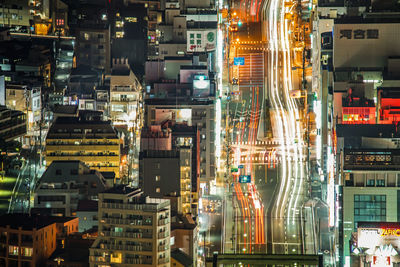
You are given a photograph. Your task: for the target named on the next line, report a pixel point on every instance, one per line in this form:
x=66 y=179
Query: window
x=191 y=41
x=100 y=36
x=198 y=41
x=198 y=36
x=158 y=178
x=86 y=36
x=100 y=46
x=58 y=172
x=27 y=252
x=12 y=92
x=116 y=257
x=158 y=190
x=191 y=35
x=93 y=185
x=369 y=208
x=380 y=182
x=157 y=166
x=13 y=250
x=370 y=182
x=74 y=172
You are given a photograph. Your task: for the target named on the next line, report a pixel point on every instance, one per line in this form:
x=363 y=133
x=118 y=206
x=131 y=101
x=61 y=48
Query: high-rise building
x=125 y=95
x=157 y=182
x=90 y=140
x=133 y=229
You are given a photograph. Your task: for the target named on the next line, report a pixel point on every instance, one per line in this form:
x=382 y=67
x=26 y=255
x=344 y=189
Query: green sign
x=234 y=169
x=210 y=37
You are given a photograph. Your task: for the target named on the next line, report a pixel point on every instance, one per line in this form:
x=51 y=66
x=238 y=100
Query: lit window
x=13 y=250
x=86 y=36
x=158 y=190
x=158 y=178
x=116 y=257
x=27 y=252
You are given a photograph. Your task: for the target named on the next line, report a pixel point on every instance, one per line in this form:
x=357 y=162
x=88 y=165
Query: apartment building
x=12 y=124
x=88 y=139
x=125 y=95
x=133 y=229
x=63 y=184
x=93 y=45
x=192 y=113
x=167 y=173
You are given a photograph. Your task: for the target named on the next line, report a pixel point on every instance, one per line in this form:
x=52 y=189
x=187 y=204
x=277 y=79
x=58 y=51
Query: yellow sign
x=388 y=232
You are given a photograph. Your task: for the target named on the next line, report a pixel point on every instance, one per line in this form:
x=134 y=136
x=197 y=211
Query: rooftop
x=181 y=257
x=27 y=222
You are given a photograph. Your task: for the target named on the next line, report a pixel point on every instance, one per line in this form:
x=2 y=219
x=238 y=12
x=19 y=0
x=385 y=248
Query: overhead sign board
x=238 y=61
x=244 y=179
x=241 y=166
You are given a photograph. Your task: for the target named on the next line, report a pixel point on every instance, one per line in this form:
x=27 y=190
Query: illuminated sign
x=244 y=179
x=238 y=61
x=359 y=34
x=390 y=232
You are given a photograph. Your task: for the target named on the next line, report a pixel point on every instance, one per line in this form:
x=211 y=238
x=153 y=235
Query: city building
x=154 y=16
x=12 y=124
x=133 y=229
x=30 y=240
x=376 y=243
x=191 y=113
x=93 y=45
x=180 y=258
x=75 y=252
x=87 y=212
x=88 y=139
x=63 y=185
x=368 y=167
x=184 y=232
x=157 y=182
x=28 y=100
x=125 y=95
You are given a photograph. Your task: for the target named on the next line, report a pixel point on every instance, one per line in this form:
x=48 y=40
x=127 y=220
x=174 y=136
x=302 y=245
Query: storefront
x=376 y=244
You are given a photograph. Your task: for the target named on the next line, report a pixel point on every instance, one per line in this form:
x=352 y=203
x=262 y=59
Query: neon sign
x=389 y=232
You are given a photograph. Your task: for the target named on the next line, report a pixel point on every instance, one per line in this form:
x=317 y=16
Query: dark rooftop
x=122 y=189
x=181 y=257
x=27 y=222
x=87 y=205
x=366 y=130
x=65 y=109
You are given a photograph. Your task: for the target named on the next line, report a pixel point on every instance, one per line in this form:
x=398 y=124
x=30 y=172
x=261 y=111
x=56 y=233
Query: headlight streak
x=285 y=114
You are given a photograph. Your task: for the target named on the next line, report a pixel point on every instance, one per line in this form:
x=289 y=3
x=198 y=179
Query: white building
x=134 y=230
x=125 y=95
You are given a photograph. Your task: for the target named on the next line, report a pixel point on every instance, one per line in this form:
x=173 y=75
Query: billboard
x=201 y=40
x=201 y=86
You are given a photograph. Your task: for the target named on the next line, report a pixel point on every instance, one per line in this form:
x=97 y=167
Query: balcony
x=163 y=221
x=125 y=247
x=138 y=261
x=127 y=235
x=163 y=260
x=163 y=235
x=143 y=207
x=162 y=248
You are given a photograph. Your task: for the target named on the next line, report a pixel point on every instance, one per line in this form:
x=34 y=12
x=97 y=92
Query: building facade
x=133 y=229
x=92 y=141
x=63 y=184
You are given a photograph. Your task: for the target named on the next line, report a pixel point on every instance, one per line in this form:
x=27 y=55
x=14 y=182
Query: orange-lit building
x=389 y=102
x=30 y=240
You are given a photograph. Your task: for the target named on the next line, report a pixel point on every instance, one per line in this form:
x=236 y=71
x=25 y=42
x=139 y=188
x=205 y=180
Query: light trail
x=286 y=121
